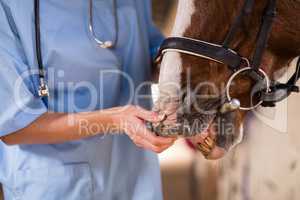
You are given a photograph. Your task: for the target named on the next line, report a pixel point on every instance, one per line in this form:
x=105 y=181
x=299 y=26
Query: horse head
x=193 y=88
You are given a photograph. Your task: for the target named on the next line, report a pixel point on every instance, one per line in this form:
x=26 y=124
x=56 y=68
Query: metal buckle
x=43 y=89
x=234 y=75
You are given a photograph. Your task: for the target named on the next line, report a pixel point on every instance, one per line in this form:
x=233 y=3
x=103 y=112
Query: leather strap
x=201 y=49
x=222 y=53
x=246 y=11
x=296 y=76
x=263 y=35
x=280 y=91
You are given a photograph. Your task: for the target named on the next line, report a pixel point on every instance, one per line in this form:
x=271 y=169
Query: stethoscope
x=43 y=90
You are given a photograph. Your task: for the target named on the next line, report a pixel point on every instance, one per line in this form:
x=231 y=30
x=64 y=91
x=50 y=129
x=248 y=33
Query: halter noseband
x=273 y=91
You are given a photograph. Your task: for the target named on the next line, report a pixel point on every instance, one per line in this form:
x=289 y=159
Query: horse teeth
x=204 y=149
x=210 y=142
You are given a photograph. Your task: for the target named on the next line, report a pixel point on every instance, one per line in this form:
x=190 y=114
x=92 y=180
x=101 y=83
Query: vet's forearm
x=53 y=128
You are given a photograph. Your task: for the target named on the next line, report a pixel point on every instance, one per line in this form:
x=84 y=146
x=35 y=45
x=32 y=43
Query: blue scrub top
x=82 y=77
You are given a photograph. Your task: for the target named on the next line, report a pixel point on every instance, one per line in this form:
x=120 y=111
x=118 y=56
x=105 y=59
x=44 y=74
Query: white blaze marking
x=171 y=66
x=185 y=10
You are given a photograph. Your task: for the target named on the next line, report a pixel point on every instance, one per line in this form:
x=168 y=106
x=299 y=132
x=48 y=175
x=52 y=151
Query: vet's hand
x=206 y=144
x=131 y=120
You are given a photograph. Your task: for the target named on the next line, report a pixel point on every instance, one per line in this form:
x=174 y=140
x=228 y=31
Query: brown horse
x=210 y=20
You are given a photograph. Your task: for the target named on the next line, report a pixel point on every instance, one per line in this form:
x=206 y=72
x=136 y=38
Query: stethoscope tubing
x=43 y=87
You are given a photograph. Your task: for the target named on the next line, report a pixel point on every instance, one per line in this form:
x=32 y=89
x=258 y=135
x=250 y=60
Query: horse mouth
x=186 y=127
x=187 y=121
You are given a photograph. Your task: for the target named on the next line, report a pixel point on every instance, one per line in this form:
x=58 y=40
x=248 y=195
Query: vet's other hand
x=131 y=120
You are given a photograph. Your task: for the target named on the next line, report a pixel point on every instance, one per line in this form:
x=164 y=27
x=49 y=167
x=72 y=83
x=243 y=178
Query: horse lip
x=185 y=123
x=183 y=128
x=188 y=126
x=198 y=124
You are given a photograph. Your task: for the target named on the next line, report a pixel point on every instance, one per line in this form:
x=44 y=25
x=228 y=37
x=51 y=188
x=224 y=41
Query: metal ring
x=229 y=83
x=246 y=61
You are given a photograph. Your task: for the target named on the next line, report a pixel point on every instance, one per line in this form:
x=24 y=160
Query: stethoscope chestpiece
x=106 y=45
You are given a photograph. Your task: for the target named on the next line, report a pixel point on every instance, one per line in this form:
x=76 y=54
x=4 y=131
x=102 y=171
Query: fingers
x=134 y=122
x=146 y=115
x=156 y=140
x=147 y=145
x=143 y=138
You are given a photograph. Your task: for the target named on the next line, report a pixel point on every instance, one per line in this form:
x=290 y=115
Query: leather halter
x=274 y=91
